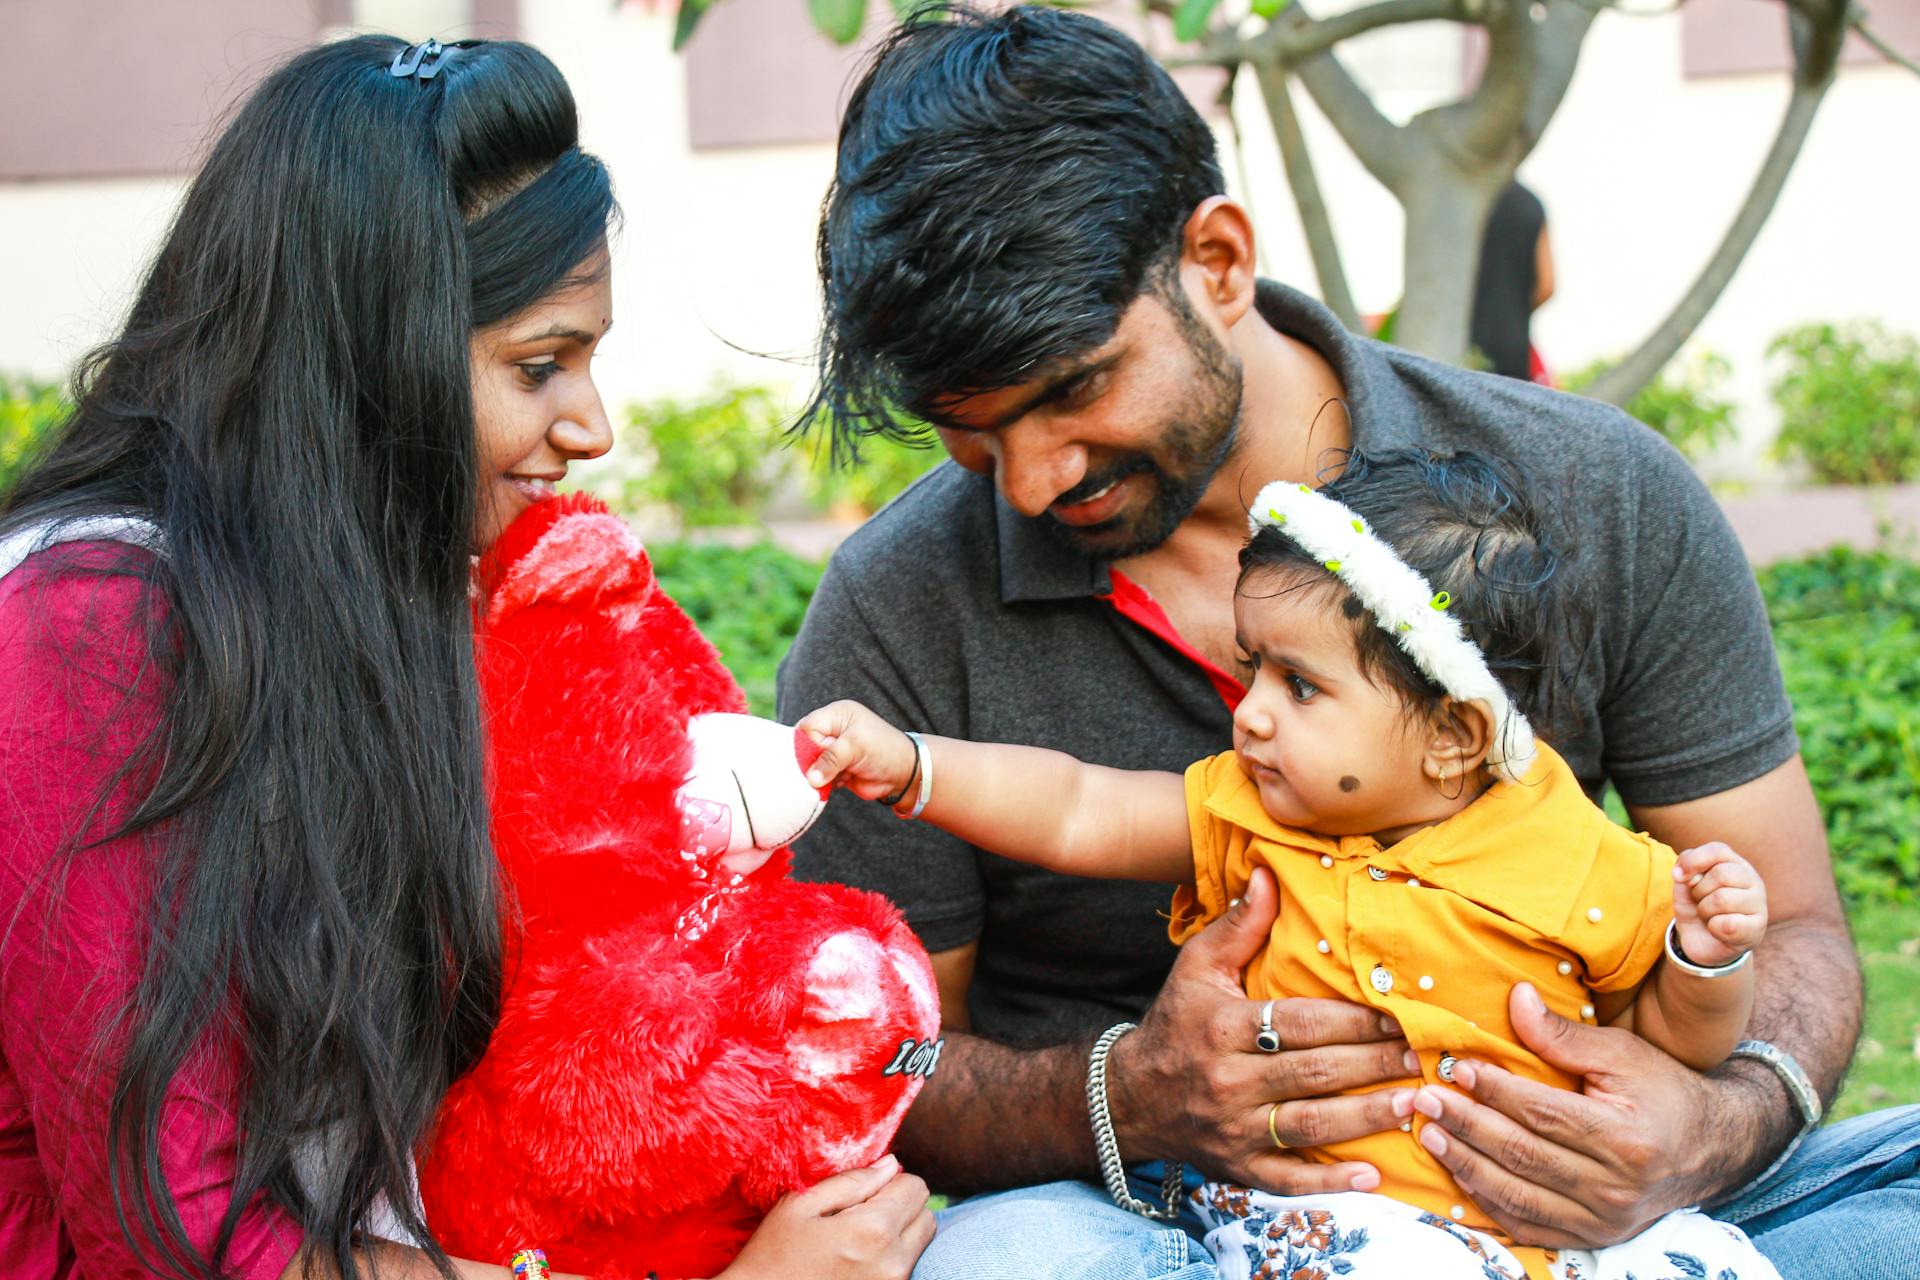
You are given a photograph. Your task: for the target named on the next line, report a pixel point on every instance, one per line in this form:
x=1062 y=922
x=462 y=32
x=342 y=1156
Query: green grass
x=1886 y=1069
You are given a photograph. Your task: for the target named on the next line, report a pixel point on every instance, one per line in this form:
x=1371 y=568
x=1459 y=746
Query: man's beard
x=1195 y=444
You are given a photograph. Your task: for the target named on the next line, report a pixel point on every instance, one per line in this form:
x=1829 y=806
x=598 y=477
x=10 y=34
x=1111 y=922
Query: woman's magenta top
x=76 y=695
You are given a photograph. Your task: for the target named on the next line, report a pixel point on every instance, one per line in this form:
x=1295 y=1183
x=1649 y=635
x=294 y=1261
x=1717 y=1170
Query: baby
x=1430 y=852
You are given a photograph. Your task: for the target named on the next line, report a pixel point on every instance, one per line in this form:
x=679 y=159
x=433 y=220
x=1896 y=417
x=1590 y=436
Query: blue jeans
x=1846 y=1204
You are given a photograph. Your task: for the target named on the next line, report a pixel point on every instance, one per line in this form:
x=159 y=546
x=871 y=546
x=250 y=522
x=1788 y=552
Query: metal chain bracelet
x=1108 y=1147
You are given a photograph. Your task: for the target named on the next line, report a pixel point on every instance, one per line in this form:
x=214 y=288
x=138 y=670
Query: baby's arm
x=1720 y=914
x=1024 y=803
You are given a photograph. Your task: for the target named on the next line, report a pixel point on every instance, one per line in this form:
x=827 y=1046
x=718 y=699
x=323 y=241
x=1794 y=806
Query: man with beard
x=1027 y=246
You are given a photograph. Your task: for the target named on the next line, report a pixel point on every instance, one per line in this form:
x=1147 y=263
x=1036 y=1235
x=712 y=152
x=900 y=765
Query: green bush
x=747 y=600
x=1849 y=402
x=1846 y=624
x=885 y=467
x=1686 y=404
x=29 y=410
x=716 y=460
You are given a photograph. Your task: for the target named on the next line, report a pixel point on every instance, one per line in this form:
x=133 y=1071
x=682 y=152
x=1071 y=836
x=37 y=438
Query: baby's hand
x=859 y=751
x=1719 y=905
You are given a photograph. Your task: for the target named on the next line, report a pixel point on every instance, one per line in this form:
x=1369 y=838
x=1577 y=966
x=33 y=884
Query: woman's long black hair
x=290 y=402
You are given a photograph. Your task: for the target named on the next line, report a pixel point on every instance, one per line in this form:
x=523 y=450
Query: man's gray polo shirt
x=950 y=613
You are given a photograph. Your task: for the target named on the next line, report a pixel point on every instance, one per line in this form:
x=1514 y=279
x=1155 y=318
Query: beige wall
x=1640 y=171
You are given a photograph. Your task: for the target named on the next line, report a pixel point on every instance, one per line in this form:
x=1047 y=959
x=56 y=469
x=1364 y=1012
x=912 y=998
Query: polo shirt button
x=1593 y=914
x=1565 y=967
x=1445 y=1069
x=1382 y=980
x=1426 y=983
x=1586 y=1011
x=1376 y=873
x=1326 y=860
x=1324 y=946
x=1458 y=1212
x=1413 y=882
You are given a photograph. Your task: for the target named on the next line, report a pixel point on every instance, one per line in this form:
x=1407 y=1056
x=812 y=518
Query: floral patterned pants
x=1361 y=1236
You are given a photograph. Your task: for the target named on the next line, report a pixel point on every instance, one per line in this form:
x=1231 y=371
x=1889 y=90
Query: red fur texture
x=678 y=1047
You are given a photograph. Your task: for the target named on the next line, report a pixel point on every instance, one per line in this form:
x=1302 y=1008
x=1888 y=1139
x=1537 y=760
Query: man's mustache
x=1134 y=464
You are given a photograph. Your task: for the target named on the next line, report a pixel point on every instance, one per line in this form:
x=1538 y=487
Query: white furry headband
x=1404 y=604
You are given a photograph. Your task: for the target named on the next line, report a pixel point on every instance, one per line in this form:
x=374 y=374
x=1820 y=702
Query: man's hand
x=1190 y=1085
x=1562 y=1169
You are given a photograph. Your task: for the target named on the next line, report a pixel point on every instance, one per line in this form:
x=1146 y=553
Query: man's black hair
x=1007 y=185
x=1466 y=524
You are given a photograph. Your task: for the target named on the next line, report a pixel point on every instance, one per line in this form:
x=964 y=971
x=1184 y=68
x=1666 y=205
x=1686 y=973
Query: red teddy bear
x=687 y=1034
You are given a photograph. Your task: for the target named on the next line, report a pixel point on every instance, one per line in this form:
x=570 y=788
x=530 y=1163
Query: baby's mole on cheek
x=1349 y=783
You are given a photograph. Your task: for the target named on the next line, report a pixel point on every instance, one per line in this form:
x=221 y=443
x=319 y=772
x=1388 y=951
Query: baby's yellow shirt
x=1531 y=882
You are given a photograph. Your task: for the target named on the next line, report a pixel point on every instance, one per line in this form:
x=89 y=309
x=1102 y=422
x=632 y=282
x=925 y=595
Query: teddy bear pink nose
x=806 y=751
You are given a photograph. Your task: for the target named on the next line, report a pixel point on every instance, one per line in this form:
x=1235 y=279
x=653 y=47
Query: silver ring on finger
x=1267 y=1040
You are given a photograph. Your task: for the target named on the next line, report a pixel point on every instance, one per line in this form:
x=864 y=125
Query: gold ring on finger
x=1272 y=1130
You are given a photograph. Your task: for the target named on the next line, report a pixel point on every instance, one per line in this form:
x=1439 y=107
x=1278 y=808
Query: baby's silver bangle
x=1679 y=960
x=923 y=758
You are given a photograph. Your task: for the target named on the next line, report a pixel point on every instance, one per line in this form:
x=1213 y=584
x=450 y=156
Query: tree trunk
x=1446 y=211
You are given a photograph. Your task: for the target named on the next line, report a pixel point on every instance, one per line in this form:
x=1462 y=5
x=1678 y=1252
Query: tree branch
x=1886 y=50
x=1485 y=126
x=1813 y=75
x=1377 y=142
x=1288 y=42
x=1314 y=219
x=1817 y=30
x=1558 y=44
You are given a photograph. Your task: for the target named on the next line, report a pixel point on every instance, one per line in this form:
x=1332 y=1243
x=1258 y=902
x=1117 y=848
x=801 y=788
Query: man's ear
x=1217 y=263
x=1458 y=739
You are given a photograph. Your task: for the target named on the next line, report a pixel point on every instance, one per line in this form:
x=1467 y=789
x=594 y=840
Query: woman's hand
x=865 y=1224
x=859 y=751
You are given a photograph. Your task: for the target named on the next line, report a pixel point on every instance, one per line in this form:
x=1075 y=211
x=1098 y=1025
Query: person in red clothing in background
x=249 y=920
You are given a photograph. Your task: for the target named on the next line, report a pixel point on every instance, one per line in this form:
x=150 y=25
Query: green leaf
x=839 y=20
x=904 y=9
x=1190 y=19
x=691 y=11
x=1268 y=9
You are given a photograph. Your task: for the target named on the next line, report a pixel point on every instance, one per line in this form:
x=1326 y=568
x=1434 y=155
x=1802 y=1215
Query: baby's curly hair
x=1464 y=522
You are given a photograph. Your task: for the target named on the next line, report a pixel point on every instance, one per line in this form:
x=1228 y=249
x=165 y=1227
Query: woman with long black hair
x=250 y=928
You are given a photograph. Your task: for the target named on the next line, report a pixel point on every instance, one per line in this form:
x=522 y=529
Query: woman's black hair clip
x=424 y=61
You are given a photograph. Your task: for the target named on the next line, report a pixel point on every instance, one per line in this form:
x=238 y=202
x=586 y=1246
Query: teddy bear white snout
x=747 y=792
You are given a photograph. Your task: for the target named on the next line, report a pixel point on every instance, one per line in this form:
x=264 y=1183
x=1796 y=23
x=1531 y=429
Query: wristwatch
x=1806 y=1099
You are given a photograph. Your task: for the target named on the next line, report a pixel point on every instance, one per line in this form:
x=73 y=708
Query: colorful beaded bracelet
x=530 y=1264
